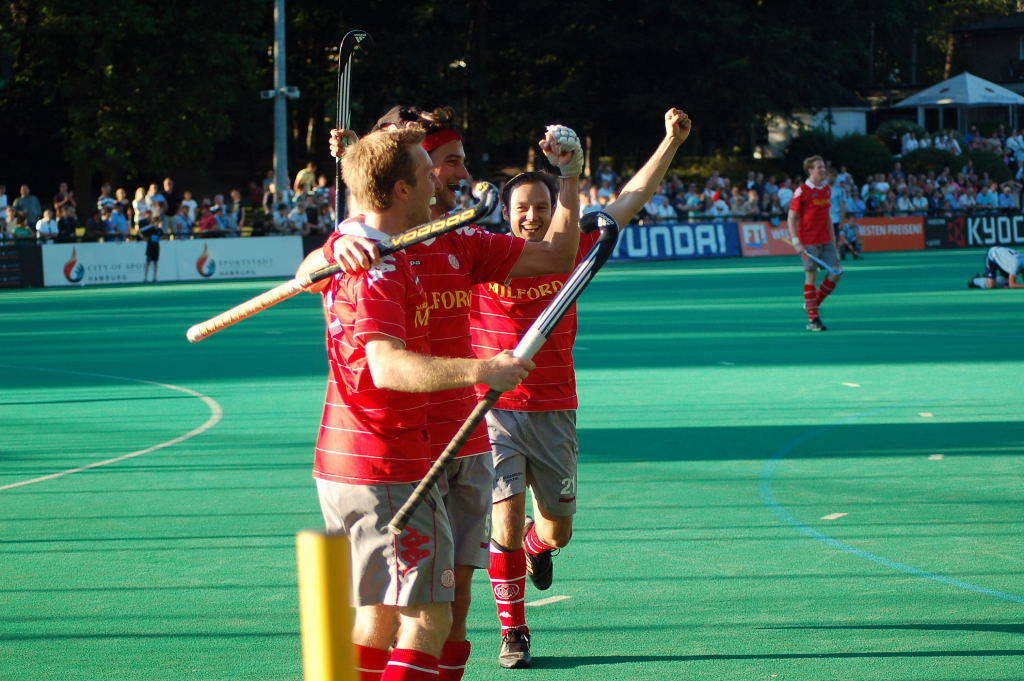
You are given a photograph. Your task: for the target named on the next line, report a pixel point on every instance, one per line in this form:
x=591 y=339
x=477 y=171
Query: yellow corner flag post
x=325 y=606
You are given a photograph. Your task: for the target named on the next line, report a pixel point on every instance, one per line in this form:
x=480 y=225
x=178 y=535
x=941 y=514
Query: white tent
x=963 y=92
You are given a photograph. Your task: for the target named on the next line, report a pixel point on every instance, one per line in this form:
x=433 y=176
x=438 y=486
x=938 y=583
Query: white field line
x=547 y=601
x=216 y=414
x=833 y=516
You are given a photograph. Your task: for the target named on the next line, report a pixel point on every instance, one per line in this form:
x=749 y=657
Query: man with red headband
x=448 y=268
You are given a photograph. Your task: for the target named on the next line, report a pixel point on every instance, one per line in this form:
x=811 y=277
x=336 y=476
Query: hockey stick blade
x=487 y=198
x=343 y=115
x=818 y=261
x=527 y=347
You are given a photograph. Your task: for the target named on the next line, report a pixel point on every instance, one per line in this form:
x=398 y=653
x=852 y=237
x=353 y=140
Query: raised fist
x=561 y=146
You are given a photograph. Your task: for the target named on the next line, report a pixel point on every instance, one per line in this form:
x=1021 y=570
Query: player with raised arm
x=810 y=231
x=373 y=444
x=533 y=428
x=1002 y=267
x=449 y=267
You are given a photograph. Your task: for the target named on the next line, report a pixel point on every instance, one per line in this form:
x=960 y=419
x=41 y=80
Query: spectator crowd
x=307 y=207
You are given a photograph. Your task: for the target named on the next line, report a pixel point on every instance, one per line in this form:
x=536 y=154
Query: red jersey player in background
x=448 y=268
x=533 y=428
x=810 y=229
x=373 y=444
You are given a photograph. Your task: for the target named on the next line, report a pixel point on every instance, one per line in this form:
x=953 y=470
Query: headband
x=436 y=139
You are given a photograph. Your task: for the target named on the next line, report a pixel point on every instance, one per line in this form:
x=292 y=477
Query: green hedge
x=861 y=154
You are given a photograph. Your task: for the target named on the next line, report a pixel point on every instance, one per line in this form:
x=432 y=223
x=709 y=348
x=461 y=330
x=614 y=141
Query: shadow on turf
x=992 y=628
x=854 y=440
x=586 y=661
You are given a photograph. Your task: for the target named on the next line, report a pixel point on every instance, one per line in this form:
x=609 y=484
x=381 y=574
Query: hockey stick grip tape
x=404 y=514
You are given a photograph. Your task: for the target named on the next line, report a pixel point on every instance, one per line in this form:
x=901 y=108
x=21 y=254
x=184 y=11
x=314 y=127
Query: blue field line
x=764 y=488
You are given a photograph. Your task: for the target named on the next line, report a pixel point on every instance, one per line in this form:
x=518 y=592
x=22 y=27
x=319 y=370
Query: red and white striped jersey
x=448 y=267
x=500 y=316
x=813 y=204
x=370 y=435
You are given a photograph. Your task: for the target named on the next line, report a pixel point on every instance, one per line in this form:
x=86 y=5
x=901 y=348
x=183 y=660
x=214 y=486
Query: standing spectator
x=208 y=223
x=63 y=197
x=837 y=202
x=29 y=205
x=171 y=197
x=46 y=227
x=154 y=198
x=811 y=232
x=785 y=194
x=190 y=206
x=3 y=198
x=121 y=199
x=255 y=194
x=68 y=224
x=305 y=180
x=105 y=200
x=282 y=220
x=140 y=205
x=234 y=212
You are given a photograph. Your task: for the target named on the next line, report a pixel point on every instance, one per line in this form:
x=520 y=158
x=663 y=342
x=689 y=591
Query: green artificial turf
x=755 y=501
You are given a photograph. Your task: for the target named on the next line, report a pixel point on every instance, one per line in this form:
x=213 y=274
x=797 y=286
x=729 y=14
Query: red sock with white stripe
x=811 y=301
x=407 y=664
x=507 y=571
x=827 y=287
x=454 y=657
x=533 y=544
x=370 y=662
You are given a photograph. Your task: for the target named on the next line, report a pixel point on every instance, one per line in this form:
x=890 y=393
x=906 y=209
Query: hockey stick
x=528 y=345
x=343 y=116
x=821 y=263
x=487 y=198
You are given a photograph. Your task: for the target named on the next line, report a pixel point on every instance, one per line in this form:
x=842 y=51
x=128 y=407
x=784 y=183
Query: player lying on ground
x=373 y=444
x=1002 y=265
x=533 y=428
x=810 y=230
x=448 y=268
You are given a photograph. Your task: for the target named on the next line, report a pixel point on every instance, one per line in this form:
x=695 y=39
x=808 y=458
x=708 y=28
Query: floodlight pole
x=281 y=93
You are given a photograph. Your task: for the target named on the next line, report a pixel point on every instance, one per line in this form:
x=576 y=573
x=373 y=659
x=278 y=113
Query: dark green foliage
x=862 y=155
x=921 y=161
x=987 y=162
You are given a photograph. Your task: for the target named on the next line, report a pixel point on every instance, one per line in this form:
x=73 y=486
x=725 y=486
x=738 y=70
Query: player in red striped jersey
x=533 y=428
x=449 y=267
x=373 y=444
x=810 y=229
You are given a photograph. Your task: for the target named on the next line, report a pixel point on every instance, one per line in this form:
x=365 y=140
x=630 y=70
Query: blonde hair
x=810 y=160
x=373 y=165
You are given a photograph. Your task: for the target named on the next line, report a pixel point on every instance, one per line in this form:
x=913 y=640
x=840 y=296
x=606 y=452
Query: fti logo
x=755 y=235
x=74 y=271
x=206 y=265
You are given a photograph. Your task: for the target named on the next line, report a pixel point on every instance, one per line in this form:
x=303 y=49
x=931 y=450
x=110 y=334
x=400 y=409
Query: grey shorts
x=417 y=566
x=825 y=252
x=539 y=450
x=466 y=490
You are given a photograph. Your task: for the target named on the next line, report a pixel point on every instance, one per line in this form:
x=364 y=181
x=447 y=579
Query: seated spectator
x=785 y=194
x=282 y=221
x=919 y=202
x=719 y=207
x=1006 y=201
x=771 y=209
x=95 y=227
x=967 y=200
x=67 y=225
x=181 y=226
x=988 y=198
x=119 y=225
x=903 y=204
x=21 y=230
x=209 y=226
x=46 y=227
x=190 y=206
x=849 y=241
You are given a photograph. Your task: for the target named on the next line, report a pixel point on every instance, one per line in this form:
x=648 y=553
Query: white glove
x=566 y=153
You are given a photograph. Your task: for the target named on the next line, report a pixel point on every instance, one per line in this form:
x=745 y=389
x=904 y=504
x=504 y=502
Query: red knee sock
x=410 y=665
x=370 y=662
x=533 y=544
x=508 y=584
x=811 y=301
x=827 y=287
x=454 y=656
